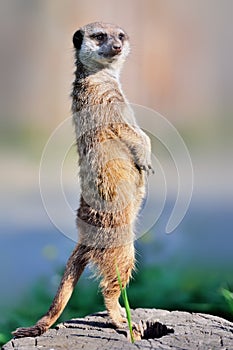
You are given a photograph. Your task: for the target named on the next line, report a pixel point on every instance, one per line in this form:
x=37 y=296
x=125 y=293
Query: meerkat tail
x=74 y=268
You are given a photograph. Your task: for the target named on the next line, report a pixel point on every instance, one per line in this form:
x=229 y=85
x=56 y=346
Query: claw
x=148 y=168
x=151 y=169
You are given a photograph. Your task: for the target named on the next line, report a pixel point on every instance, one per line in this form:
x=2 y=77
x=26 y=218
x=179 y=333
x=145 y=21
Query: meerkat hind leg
x=124 y=259
x=111 y=295
x=116 y=312
x=122 y=310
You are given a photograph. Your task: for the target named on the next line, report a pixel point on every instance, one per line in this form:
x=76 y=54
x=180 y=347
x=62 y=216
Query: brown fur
x=114 y=158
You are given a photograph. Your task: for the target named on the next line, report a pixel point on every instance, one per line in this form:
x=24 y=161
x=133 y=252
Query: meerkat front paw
x=145 y=167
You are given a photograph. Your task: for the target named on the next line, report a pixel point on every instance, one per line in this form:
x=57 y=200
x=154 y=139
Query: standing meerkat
x=114 y=160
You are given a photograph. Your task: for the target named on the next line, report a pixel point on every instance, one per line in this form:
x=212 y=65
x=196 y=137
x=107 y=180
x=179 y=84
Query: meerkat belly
x=110 y=185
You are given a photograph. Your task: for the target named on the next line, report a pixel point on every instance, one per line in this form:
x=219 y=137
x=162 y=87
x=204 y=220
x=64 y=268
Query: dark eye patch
x=121 y=36
x=99 y=36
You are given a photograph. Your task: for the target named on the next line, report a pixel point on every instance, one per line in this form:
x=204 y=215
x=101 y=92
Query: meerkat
x=114 y=161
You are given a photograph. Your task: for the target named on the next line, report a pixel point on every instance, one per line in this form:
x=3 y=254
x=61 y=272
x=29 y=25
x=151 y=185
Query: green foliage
x=180 y=289
x=3 y=338
x=228 y=297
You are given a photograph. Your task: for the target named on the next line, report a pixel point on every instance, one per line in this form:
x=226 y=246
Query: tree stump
x=182 y=330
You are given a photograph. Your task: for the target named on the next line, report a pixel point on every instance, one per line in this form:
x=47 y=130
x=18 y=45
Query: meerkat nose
x=117 y=48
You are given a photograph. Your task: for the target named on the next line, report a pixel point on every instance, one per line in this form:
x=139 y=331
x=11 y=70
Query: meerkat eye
x=99 y=37
x=121 y=36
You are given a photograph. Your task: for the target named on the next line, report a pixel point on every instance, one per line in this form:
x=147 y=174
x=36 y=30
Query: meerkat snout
x=116 y=47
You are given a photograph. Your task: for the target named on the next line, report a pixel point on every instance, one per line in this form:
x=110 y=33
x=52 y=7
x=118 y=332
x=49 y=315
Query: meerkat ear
x=78 y=39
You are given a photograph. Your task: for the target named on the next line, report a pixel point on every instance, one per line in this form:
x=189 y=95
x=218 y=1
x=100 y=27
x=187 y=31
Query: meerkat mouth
x=110 y=56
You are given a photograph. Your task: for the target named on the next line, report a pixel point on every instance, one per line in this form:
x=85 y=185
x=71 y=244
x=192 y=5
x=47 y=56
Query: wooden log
x=95 y=332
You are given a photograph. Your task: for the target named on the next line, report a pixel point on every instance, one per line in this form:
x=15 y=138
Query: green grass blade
x=228 y=297
x=126 y=303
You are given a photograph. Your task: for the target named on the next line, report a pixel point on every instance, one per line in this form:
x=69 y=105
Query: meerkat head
x=101 y=45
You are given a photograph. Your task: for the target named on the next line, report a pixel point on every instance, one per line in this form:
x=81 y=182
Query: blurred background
x=181 y=66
